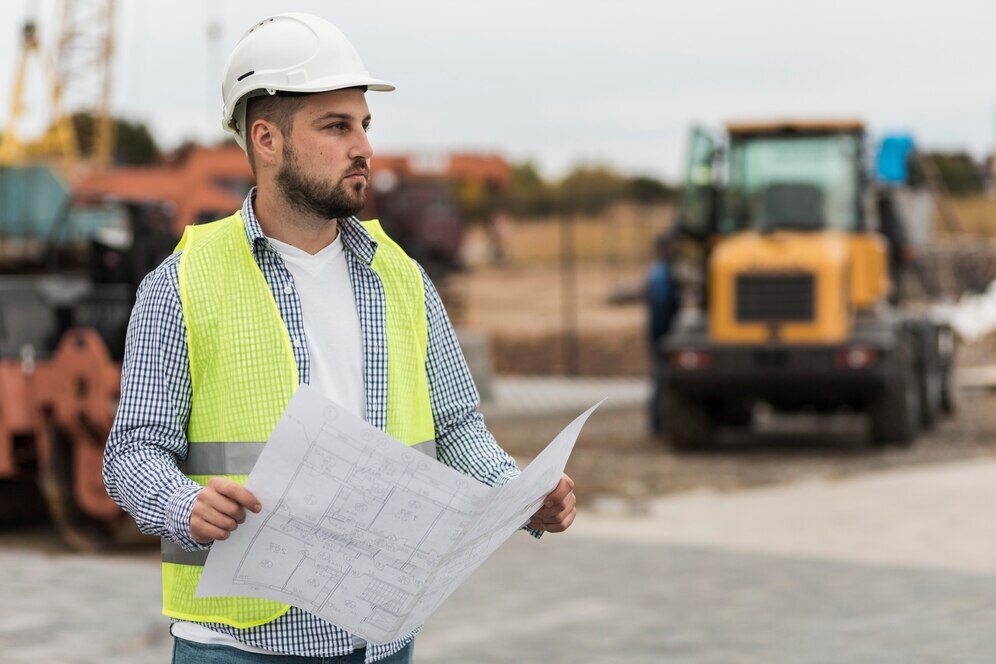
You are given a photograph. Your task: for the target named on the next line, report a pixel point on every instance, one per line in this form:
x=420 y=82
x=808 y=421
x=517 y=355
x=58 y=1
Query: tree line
x=587 y=188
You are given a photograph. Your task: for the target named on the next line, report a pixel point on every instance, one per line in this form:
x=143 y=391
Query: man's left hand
x=559 y=509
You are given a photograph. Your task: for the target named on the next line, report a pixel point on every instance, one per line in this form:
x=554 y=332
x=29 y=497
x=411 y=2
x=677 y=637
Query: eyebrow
x=333 y=115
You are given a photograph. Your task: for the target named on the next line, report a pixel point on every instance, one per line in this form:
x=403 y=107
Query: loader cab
x=791 y=177
x=794 y=176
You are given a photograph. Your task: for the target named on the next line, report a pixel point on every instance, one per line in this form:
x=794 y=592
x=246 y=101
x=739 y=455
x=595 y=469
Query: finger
x=556 y=506
x=564 y=525
x=547 y=513
x=561 y=525
x=202 y=532
x=563 y=488
x=218 y=519
x=239 y=494
x=567 y=508
x=224 y=505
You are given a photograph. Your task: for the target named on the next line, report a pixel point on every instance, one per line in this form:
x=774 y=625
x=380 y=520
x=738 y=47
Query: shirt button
x=288 y=290
x=297 y=343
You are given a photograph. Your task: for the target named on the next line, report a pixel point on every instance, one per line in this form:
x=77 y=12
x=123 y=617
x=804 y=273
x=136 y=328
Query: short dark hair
x=278 y=109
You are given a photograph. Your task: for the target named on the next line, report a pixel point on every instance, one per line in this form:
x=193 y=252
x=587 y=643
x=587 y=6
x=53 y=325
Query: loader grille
x=763 y=298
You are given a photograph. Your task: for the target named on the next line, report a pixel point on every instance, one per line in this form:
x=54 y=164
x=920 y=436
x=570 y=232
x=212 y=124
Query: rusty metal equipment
x=421 y=213
x=62 y=327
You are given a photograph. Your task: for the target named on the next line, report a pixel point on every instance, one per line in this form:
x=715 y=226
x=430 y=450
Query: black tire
x=690 y=423
x=930 y=376
x=895 y=415
x=931 y=398
x=949 y=393
x=949 y=389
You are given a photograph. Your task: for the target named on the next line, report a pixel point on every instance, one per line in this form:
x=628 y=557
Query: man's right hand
x=219 y=509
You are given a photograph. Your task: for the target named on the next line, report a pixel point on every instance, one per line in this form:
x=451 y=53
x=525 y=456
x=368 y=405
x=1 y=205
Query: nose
x=361 y=147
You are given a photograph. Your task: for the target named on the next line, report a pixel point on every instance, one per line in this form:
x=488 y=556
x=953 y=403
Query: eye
x=337 y=126
x=366 y=127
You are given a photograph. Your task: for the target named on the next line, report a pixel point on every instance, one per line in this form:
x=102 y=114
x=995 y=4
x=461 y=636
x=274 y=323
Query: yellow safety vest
x=243 y=374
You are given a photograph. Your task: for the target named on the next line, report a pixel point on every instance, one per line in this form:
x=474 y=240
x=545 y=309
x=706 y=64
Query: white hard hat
x=289 y=53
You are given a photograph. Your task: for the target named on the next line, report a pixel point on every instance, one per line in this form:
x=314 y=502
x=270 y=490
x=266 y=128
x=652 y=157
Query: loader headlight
x=856 y=357
x=691 y=360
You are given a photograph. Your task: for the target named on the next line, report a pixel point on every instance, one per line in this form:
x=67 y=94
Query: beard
x=316 y=197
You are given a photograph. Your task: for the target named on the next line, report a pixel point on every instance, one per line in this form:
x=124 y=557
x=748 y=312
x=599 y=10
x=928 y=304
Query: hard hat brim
x=332 y=83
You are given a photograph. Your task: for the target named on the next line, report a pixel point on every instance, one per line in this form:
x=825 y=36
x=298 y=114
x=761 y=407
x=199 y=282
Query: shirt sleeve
x=463 y=442
x=148 y=435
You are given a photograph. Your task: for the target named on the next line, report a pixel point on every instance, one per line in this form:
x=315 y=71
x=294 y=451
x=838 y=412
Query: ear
x=267 y=142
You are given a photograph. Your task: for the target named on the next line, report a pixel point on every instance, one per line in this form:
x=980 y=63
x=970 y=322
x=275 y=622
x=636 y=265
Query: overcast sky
x=567 y=81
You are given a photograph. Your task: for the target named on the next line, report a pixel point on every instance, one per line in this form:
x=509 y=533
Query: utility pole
x=570 y=351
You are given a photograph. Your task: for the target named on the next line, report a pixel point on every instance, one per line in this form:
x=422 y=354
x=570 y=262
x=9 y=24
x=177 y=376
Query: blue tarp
x=31 y=198
x=893 y=156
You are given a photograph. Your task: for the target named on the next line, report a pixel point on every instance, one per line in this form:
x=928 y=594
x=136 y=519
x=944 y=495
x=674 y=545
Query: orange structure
x=207 y=183
x=202 y=185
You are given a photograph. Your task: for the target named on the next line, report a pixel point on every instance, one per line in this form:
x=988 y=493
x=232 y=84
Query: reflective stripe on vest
x=243 y=373
x=221 y=458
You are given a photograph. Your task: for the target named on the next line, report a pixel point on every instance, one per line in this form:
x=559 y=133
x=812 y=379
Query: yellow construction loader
x=793 y=306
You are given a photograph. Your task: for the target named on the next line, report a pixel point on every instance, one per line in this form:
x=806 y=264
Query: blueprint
x=362 y=530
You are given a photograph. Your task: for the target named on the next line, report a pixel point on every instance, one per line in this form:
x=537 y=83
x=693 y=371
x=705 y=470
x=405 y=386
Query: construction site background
x=544 y=276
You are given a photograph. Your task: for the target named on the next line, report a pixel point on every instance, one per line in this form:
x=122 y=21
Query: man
x=661 y=293
x=292 y=289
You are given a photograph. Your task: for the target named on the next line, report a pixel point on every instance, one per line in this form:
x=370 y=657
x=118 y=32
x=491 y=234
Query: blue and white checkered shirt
x=149 y=432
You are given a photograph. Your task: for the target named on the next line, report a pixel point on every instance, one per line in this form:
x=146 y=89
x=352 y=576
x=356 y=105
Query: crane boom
x=80 y=78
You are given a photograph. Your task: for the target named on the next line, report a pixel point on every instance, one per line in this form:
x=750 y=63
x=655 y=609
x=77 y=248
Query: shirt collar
x=355 y=238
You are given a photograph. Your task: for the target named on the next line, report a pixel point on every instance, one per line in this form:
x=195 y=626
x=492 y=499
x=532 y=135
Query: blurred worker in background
x=291 y=289
x=662 y=299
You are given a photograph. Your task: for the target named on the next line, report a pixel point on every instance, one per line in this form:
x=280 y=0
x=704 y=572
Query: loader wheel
x=895 y=415
x=929 y=375
x=55 y=480
x=931 y=399
x=949 y=393
x=690 y=423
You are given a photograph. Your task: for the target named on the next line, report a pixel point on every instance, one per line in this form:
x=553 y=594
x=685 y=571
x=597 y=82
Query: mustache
x=360 y=165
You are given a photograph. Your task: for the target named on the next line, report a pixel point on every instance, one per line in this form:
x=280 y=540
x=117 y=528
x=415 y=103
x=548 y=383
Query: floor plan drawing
x=364 y=531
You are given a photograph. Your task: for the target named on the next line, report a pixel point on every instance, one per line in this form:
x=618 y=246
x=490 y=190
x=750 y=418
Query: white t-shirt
x=335 y=346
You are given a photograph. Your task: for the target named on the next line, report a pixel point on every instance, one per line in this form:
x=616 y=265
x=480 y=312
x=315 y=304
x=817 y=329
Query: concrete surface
x=527 y=396
x=885 y=567
x=934 y=517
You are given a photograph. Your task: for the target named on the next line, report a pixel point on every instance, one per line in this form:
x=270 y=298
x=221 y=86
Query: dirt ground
x=535 y=311
x=615 y=458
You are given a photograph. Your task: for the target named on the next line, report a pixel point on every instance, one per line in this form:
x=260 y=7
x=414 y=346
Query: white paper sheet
x=364 y=531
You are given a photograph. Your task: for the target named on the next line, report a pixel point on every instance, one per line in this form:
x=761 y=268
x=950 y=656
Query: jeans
x=189 y=652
